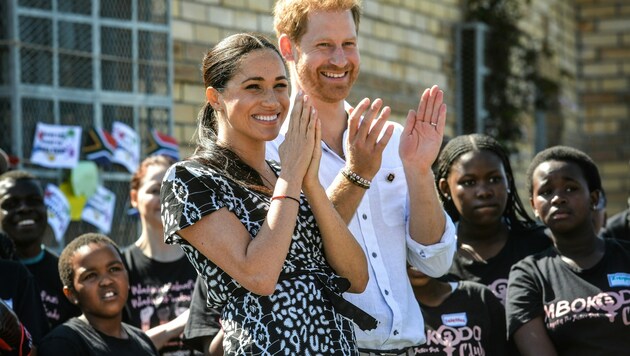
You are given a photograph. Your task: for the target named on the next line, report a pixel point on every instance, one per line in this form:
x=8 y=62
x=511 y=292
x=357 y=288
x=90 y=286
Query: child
x=477 y=188
x=161 y=277
x=459 y=317
x=571 y=299
x=24 y=219
x=95 y=280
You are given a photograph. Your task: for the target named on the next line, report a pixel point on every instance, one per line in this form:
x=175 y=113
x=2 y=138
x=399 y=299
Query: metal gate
x=86 y=63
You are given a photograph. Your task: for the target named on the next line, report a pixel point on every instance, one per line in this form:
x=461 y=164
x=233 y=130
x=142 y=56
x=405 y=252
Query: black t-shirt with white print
x=158 y=293
x=585 y=312
x=494 y=272
x=470 y=321
x=46 y=274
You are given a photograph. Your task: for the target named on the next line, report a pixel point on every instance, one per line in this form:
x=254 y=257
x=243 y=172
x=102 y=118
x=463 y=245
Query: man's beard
x=312 y=84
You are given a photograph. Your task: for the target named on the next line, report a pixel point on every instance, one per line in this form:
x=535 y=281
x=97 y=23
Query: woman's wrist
x=287 y=187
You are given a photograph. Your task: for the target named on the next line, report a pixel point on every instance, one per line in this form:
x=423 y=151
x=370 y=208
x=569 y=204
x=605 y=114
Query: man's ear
x=286 y=47
x=70 y=295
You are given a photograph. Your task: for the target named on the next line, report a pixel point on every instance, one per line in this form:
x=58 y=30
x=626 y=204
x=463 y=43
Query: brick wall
x=550 y=28
x=406 y=45
x=603 y=42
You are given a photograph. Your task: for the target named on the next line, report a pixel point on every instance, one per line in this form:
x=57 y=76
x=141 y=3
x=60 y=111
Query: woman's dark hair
x=515 y=213
x=220 y=65
x=566 y=154
x=66 y=273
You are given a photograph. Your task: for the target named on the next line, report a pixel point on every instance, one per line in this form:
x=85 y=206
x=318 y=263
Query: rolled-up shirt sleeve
x=433 y=260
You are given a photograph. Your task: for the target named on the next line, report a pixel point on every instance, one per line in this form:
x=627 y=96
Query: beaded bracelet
x=277 y=197
x=355 y=178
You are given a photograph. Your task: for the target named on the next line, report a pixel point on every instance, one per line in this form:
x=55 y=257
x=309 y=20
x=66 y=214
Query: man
x=23 y=217
x=378 y=174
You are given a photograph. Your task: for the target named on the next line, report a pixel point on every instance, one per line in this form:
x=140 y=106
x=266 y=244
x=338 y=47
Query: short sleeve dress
x=305 y=315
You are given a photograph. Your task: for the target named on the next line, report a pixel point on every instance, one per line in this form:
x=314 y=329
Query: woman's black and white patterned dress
x=300 y=317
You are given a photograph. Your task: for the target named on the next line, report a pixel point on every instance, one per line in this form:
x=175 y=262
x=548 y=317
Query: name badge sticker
x=456 y=319
x=619 y=279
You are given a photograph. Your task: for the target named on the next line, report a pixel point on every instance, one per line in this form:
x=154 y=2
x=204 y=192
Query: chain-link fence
x=87 y=63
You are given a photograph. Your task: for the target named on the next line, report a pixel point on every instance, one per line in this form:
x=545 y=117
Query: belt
x=332 y=286
x=396 y=352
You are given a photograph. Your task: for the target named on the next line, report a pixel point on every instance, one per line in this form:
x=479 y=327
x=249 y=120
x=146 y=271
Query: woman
x=477 y=189
x=95 y=279
x=160 y=276
x=571 y=299
x=272 y=256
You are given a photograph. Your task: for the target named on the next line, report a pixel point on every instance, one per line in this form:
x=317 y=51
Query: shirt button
x=386 y=292
x=395 y=332
x=364 y=217
x=374 y=254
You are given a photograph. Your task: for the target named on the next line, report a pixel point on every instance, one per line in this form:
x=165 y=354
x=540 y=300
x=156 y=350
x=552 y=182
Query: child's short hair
x=66 y=273
x=566 y=154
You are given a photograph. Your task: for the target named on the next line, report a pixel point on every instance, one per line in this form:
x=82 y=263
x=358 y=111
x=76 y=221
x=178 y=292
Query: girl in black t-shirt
x=161 y=277
x=477 y=189
x=571 y=299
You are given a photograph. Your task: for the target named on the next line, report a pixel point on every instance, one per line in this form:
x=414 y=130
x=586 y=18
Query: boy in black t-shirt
x=23 y=217
x=95 y=279
x=460 y=317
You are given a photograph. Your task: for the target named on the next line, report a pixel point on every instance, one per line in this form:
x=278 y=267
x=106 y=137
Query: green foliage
x=512 y=79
